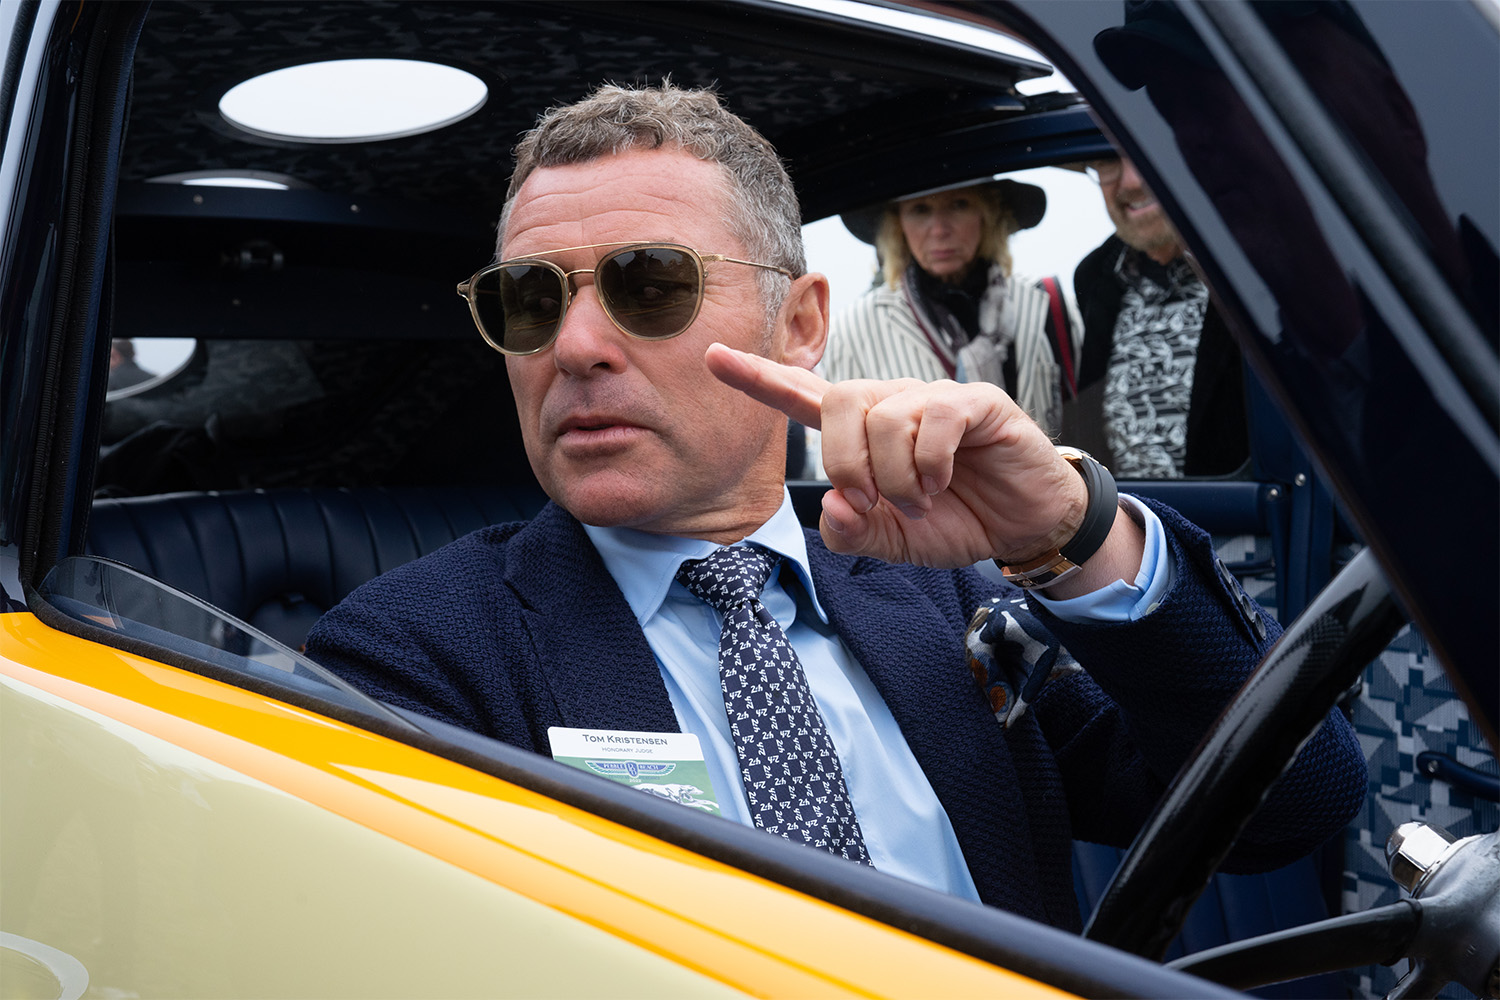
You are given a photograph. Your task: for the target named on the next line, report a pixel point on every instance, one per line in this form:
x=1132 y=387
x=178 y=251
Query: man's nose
x=588 y=342
x=1129 y=176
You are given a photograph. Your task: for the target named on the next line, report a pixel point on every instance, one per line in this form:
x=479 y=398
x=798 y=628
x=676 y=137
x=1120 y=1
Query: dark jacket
x=1218 y=440
x=519 y=627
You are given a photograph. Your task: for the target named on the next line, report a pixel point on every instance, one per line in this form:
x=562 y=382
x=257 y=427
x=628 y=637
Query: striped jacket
x=878 y=337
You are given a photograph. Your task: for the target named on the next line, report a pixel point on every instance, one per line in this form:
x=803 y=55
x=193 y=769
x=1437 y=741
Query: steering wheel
x=1451 y=925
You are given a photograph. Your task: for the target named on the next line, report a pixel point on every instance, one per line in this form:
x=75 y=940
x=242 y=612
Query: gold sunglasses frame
x=466 y=288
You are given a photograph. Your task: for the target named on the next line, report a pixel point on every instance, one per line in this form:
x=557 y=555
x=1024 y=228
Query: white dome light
x=353 y=100
x=262 y=179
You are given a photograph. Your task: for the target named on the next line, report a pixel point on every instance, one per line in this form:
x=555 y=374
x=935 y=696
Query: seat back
x=278 y=559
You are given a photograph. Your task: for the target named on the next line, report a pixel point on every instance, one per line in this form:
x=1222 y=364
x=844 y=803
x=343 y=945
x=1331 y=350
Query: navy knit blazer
x=519 y=627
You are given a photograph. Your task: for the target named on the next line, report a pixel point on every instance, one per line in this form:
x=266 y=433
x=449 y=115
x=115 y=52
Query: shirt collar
x=645 y=565
x=1133 y=267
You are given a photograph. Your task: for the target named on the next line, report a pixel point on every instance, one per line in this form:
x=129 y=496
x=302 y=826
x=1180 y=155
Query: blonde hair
x=997 y=222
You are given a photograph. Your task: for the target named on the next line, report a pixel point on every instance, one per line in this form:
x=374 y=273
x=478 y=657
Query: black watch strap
x=1098 y=519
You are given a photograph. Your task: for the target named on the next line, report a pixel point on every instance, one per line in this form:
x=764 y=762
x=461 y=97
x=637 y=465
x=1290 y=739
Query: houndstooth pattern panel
x=1405 y=705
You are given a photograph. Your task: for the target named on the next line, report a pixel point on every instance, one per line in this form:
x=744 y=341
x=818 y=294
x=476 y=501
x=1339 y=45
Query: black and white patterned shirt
x=1150 y=378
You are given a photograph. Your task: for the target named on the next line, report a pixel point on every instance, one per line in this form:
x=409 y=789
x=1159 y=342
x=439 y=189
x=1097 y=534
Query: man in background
x=123 y=371
x=1161 y=390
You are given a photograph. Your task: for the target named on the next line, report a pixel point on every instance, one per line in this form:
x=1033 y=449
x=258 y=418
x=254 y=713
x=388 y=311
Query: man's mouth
x=1138 y=206
x=590 y=429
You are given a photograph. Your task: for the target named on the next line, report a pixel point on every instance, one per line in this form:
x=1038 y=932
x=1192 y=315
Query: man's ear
x=802 y=325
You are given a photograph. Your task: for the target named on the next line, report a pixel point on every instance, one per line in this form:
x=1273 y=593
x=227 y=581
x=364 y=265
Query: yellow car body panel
x=195 y=838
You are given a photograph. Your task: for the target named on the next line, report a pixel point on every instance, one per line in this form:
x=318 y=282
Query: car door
x=1319 y=170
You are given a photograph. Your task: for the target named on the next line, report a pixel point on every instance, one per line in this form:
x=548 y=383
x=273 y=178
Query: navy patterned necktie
x=791 y=771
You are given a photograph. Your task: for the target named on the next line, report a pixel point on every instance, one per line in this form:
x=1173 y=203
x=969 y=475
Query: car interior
x=330 y=412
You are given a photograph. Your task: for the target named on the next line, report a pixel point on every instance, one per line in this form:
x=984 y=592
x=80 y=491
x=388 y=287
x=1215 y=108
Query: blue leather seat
x=278 y=559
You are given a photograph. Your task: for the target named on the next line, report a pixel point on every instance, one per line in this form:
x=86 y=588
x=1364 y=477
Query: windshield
x=114 y=596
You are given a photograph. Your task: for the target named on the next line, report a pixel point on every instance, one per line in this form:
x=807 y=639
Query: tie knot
x=729 y=576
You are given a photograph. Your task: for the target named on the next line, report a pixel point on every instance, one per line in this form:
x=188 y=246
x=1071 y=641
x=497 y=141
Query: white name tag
x=667 y=765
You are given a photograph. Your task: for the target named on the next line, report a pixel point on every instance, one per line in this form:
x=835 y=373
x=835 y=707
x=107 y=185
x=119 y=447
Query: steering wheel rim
x=1258 y=735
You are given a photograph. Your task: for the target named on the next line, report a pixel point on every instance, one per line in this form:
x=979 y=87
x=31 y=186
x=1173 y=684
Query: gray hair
x=763 y=213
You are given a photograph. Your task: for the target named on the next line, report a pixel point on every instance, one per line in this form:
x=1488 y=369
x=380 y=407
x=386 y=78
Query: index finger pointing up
x=794 y=391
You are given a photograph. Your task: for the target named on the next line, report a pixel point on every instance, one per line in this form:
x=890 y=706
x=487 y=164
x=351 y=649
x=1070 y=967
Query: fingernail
x=912 y=511
x=858 y=501
x=833 y=522
x=929 y=485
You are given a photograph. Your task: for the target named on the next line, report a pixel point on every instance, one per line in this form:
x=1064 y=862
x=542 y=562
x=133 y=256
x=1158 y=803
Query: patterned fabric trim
x=1405 y=705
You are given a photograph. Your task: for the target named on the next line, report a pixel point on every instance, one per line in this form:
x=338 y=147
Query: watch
x=1098 y=518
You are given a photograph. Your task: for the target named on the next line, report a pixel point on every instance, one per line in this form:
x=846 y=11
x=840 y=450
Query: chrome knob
x=1414 y=851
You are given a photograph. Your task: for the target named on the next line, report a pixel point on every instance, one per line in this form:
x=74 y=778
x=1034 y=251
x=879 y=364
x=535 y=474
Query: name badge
x=667 y=765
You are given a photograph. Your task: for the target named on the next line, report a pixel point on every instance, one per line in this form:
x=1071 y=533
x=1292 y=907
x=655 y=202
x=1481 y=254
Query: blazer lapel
x=590 y=649
x=915 y=656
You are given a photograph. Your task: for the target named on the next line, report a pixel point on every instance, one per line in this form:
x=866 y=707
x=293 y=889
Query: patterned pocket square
x=1012 y=655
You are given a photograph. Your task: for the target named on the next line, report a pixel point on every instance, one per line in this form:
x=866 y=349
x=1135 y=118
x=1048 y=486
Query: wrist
x=1078 y=537
x=1075 y=493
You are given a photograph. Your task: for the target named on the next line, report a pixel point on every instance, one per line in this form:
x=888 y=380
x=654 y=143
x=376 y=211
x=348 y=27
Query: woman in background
x=948 y=306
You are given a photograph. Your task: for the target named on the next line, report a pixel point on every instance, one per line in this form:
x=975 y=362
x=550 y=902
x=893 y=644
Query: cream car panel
x=232 y=888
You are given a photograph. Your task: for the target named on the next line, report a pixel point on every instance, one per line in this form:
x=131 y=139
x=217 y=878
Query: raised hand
x=936 y=473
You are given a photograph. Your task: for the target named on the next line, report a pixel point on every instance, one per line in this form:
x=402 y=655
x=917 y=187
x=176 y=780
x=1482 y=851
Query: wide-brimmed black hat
x=1154 y=34
x=1027 y=202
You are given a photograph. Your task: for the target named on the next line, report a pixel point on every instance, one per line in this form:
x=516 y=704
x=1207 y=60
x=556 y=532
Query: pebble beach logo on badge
x=632 y=768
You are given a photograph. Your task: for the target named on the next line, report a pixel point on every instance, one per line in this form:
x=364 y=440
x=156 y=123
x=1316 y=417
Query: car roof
x=835 y=97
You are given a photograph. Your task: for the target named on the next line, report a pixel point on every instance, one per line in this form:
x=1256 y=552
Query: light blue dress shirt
x=906 y=829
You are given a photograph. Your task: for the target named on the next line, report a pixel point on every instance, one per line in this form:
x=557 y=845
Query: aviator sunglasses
x=651 y=291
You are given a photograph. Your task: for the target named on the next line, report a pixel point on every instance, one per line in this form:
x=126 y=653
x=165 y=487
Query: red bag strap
x=1064 y=343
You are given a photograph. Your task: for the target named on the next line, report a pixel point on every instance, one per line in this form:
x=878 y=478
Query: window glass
x=1402 y=86
x=138 y=363
x=134 y=606
x=265 y=413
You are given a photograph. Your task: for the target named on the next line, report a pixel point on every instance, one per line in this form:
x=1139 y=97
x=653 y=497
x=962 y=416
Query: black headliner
x=844 y=96
x=859 y=112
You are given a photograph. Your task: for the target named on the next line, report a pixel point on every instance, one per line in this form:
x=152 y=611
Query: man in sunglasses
x=651 y=297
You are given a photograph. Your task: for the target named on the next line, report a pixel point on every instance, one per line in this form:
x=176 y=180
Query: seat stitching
x=370 y=533
x=286 y=541
x=328 y=537
x=180 y=506
x=447 y=519
x=140 y=537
